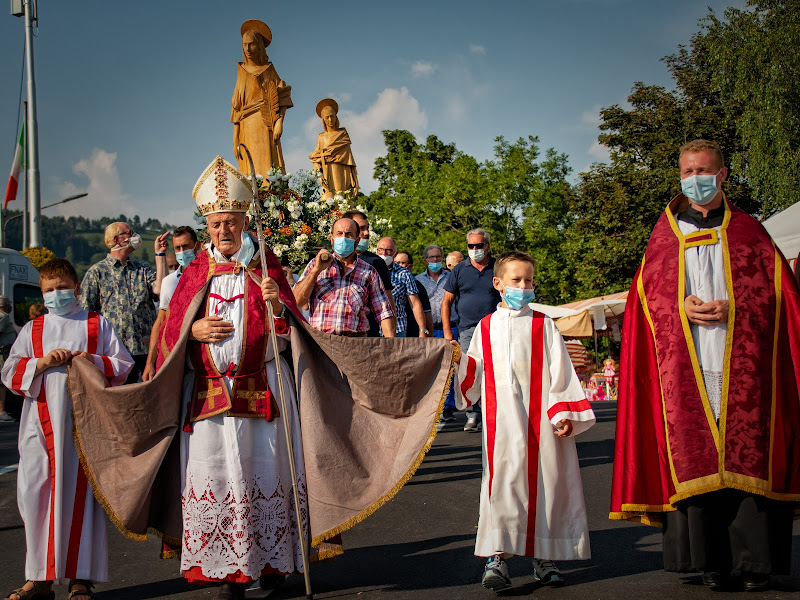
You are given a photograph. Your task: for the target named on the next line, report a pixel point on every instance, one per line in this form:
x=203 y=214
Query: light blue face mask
x=700 y=189
x=516 y=298
x=185 y=257
x=363 y=245
x=435 y=267
x=60 y=302
x=344 y=246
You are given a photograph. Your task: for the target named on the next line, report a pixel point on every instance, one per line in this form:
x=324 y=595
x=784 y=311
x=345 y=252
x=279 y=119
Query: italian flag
x=16 y=167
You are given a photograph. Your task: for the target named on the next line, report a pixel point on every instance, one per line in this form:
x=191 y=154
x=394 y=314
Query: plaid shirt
x=123 y=294
x=403 y=286
x=340 y=302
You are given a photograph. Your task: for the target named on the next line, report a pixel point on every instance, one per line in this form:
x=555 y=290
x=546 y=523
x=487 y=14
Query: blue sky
x=134 y=97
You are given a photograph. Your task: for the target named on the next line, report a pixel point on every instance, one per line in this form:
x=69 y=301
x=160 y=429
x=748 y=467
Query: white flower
x=339 y=198
x=275 y=213
x=274 y=178
x=329 y=201
x=312 y=206
x=259 y=177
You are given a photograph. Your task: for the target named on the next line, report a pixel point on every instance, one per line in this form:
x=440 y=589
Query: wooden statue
x=333 y=156
x=260 y=100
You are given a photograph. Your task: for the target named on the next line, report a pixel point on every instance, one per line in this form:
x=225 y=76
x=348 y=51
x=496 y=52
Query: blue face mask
x=362 y=246
x=344 y=246
x=435 y=267
x=700 y=189
x=184 y=258
x=516 y=298
x=60 y=302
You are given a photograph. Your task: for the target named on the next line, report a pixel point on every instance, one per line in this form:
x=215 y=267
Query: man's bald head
x=386 y=247
x=344 y=225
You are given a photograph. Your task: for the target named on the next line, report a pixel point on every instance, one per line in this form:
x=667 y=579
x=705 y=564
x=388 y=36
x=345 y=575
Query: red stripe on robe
x=93 y=332
x=579 y=406
x=469 y=380
x=490 y=399
x=19 y=374
x=534 y=426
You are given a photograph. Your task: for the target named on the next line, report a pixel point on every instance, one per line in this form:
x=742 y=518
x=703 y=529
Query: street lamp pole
x=34 y=198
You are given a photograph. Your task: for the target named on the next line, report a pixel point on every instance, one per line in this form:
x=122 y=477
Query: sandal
x=41 y=590
x=84 y=593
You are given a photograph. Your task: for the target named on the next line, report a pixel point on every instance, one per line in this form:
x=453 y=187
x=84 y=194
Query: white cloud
x=477 y=49
x=105 y=188
x=591 y=118
x=392 y=109
x=422 y=69
x=599 y=152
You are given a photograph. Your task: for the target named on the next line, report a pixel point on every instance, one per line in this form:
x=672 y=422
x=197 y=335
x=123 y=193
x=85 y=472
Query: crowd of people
x=707 y=421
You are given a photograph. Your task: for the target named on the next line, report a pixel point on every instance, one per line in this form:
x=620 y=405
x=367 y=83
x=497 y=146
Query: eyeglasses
x=476 y=246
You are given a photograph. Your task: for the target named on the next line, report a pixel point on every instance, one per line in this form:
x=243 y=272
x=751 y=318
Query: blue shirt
x=403 y=286
x=474 y=292
x=436 y=289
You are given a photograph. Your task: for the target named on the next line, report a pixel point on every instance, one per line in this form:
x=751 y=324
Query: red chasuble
x=668 y=445
x=250 y=395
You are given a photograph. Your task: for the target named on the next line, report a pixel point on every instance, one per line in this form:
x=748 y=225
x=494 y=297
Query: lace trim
x=227 y=529
x=713 y=381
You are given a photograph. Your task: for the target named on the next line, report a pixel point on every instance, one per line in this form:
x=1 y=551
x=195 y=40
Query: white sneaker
x=495 y=574
x=546 y=573
x=473 y=422
x=4 y=416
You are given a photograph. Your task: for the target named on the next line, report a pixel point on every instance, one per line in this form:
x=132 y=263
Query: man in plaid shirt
x=340 y=291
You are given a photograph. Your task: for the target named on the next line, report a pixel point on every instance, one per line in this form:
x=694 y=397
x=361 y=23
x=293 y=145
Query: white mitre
x=222 y=188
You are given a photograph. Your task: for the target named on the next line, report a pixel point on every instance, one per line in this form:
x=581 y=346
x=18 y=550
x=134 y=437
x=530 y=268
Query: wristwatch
x=426 y=331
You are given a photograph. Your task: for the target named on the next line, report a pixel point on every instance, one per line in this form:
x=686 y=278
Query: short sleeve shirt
x=403 y=286
x=474 y=291
x=168 y=285
x=123 y=294
x=340 y=300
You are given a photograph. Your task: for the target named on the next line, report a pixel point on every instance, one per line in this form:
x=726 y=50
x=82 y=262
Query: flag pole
x=25 y=163
x=278 y=372
x=34 y=197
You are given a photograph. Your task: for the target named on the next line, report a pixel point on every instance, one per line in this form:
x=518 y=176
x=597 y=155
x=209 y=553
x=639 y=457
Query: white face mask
x=478 y=254
x=135 y=241
x=388 y=260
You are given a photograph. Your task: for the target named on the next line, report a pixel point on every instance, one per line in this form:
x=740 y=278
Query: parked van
x=19 y=280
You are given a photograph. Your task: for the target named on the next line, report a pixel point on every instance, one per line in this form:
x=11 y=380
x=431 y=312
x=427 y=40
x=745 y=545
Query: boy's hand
x=85 y=355
x=54 y=358
x=564 y=428
x=457 y=355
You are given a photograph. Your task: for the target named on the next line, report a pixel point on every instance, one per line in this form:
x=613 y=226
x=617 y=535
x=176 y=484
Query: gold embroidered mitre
x=222 y=188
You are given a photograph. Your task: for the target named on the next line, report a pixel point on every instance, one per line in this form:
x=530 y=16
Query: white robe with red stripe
x=65 y=528
x=531 y=493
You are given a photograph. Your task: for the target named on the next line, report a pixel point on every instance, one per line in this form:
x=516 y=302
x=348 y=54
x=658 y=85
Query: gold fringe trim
x=317 y=541
x=651 y=519
x=101 y=500
x=170 y=554
x=330 y=552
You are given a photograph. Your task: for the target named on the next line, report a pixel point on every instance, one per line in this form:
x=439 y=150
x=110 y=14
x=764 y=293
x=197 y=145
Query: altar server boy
x=533 y=404
x=65 y=528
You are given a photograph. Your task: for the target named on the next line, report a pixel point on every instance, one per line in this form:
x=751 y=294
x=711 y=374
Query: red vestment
x=668 y=444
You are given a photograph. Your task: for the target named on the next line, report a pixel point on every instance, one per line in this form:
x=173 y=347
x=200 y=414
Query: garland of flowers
x=295 y=219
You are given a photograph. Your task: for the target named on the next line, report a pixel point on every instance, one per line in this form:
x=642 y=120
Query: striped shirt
x=341 y=300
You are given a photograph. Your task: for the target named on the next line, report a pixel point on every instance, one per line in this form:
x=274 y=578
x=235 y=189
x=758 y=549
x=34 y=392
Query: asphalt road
x=420 y=544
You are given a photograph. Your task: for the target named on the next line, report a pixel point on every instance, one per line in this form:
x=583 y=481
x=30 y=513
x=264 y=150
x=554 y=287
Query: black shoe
x=271 y=581
x=713 y=580
x=756 y=582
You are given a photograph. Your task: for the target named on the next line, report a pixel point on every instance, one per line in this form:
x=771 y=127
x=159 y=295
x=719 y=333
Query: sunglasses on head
x=476 y=246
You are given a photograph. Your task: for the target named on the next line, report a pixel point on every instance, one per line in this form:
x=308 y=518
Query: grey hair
x=479 y=231
x=431 y=247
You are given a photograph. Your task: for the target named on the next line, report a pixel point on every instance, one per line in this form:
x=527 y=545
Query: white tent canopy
x=784 y=228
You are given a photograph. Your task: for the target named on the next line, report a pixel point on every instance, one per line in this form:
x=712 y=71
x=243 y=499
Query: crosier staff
x=273 y=338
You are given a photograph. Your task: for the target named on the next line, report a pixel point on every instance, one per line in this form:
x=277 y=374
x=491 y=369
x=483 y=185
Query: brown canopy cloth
x=368 y=413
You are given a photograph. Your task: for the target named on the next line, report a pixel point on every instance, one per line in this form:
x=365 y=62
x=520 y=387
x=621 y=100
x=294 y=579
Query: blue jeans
x=450 y=401
x=464 y=338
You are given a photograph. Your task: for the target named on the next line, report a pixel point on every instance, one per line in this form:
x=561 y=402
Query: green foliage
x=435 y=194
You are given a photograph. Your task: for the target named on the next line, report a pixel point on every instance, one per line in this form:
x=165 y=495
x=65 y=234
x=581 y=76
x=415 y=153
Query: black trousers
x=726 y=530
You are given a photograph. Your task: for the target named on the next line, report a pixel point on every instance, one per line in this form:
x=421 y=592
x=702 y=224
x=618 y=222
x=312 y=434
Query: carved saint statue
x=332 y=155
x=260 y=100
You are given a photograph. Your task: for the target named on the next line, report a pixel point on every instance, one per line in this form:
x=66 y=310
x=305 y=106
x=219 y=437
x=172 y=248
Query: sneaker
x=473 y=422
x=4 y=416
x=495 y=574
x=546 y=573
x=447 y=415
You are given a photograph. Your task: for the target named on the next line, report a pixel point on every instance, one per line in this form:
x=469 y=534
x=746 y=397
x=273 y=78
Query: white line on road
x=8 y=469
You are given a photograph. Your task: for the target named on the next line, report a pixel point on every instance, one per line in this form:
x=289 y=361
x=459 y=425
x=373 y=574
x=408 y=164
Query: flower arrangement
x=295 y=220
x=38 y=256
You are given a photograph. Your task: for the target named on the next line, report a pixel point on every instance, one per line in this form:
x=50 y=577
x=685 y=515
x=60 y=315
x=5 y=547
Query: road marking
x=8 y=469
